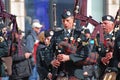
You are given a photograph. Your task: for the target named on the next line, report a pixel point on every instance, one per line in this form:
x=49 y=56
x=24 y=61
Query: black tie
x=67 y=33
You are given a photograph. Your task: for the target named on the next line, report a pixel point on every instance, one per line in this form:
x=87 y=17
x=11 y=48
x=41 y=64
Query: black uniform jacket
x=44 y=56
x=72 y=68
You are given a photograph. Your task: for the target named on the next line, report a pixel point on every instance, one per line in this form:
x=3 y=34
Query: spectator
x=44 y=56
x=21 y=66
x=31 y=39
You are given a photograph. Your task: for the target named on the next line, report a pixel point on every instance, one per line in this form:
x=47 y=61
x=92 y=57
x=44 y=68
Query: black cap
x=66 y=14
x=108 y=17
x=48 y=33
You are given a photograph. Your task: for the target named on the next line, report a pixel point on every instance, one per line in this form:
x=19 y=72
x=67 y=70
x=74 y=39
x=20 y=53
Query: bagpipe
x=13 y=23
x=68 y=48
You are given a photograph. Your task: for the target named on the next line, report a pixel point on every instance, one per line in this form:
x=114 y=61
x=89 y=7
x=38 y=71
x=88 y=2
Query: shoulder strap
x=29 y=35
x=33 y=37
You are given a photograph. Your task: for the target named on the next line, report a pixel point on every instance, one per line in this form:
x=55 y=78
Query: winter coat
x=21 y=66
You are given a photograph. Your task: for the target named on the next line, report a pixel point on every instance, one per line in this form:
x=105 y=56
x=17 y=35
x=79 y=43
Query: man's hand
x=109 y=55
x=63 y=57
x=105 y=60
x=49 y=76
x=27 y=55
x=55 y=63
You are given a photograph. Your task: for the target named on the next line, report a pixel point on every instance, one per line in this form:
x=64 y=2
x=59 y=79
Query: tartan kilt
x=92 y=58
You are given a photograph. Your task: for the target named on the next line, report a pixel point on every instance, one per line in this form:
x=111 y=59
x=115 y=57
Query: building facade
x=27 y=10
